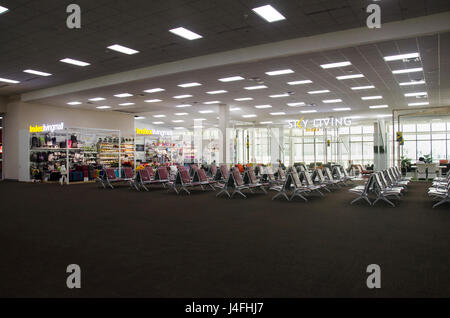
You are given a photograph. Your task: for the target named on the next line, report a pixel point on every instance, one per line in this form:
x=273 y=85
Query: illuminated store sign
x=316 y=124
x=150 y=132
x=46 y=128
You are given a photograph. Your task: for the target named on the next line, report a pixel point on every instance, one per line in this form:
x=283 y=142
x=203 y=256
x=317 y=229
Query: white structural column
x=198 y=141
x=224 y=139
x=380 y=143
x=277 y=144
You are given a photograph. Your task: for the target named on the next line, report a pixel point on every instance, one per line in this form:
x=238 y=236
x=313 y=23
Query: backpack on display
x=35 y=142
x=62 y=144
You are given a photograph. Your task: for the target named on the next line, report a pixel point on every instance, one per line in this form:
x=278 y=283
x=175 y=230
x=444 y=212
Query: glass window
x=344 y=130
x=356 y=152
x=409 y=150
x=309 y=153
x=409 y=128
x=368 y=129
x=438 y=126
x=355 y=130
x=439 y=151
x=423 y=148
x=423 y=127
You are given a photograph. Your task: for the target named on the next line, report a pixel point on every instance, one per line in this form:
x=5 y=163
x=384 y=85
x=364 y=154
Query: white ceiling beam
x=421 y=26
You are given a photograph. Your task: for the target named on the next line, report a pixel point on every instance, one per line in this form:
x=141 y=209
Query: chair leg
x=280 y=193
x=441 y=202
x=298 y=195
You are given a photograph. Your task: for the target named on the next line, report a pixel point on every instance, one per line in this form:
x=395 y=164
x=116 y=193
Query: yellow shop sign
x=144 y=131
x=46 y=128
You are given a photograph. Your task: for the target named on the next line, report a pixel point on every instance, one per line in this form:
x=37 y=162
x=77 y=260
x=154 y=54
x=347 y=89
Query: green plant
x=406 y=162
x=428 y=159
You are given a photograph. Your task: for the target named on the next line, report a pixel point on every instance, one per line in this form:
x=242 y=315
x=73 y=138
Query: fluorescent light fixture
x=181 y=114
x=127 y=104
x=200 y=119
x=3 y=9
x=153 y=101
x=296 y=104
x=401 y=57
x=103 y=107
x=358 y=88
x=416 y=94
x=308 y=111
x=419 y=104
x=122 y=49
x=183 y=106
x=158 y=123
x=334 y=65
x=159 y=116
x=178 y=121
x=74 y=103
x=37 y=73
x=342 y=109
x=8 y=81
x=231 y=79
x=383 y=116
x=319 y=92
x=139 y=117
x=378 y=106
x=217 y=92
x=74 y=62
x=185 y=33
x=269 y=13
x=412 y=83
x=280 y=95
x=212 y=102
x=186 y=85
x=182 y=96
x=410 y=70
x=371 y=97
x=278 y=114
x=206 y=111
x=252 y=88
x=235 y=109
x=97 y=99
x=331 y=101
x=154 y=90
x=243 y=99
x=300 y=82
x=123 y=95
x=344 y=77
x=266 y=122
x=179 y=128
x=249 y=116
x=280 y=72
x=263 y=106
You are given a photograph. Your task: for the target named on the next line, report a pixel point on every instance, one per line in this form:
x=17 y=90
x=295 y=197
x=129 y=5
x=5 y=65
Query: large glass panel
x=409 y=128
x=368 y=129
x=438 y=126
x=356 y=152
x=309 y=153
x=356 y=130
x=423 y=148
x=368 y=155
x=439 y=150
x=423 y=127
x=409 y=150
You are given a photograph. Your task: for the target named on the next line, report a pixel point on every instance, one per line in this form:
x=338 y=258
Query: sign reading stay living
x=320 y=123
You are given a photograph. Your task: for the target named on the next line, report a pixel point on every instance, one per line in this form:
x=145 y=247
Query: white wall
x=20 y=115
x=2 y=104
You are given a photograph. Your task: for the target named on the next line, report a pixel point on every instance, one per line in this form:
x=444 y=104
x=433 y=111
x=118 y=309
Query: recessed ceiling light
x=251 y=88
x=243 y=99
x=378 y=106
x=249 y=116
x=280 y=95
x=319 y=92
x=182 y=96
x=74 y=62
x=127 y=104
x=278 y=114
x=200 y=119
x=206 y=111
x=154 y=90
x=334 y=65
x=186 y=85
x=371 y=97
x=331 y=101
x=412 y=83
x=97 y=99
x=212 y=102
x=296 y=104
x=231 y=79
x=300 y=82
x=234 y=109
x=383 y=116
x=3 y=9
x=185 y=33
x=103 y=107
x=139 y=117
x=344 y=77
x=419 y=104
x=269 y=13
x=178 y=121
x=158 y=123
x=342 y=109
x=308 y=111
x=159 y=116
x=74 y=103
x=153 y=101
x=401 y=57
x=217 y=92
x=37 y=73
x=416 y=94
x=357 y=88
x=179 y=128
x=280 y=72
x=122 y=49
x=265 y=123
x=183 y=106
x=8 y=81
x=263 y=106
x=181 y=114
x=410 y=70
x=123 y=95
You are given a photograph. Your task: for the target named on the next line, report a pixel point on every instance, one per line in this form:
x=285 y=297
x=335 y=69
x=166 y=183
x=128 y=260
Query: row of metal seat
x=440 y=190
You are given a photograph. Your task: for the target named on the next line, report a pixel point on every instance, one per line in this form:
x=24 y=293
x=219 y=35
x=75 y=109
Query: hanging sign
x=46 y=128
x=150 y=132
x=316 y=124
x=400 y=138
